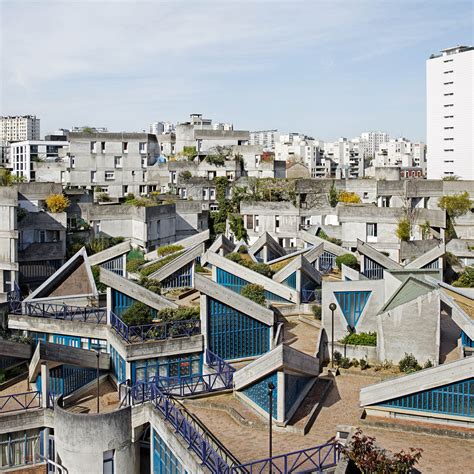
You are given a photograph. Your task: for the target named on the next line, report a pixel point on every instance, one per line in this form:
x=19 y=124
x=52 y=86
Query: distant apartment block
x=159 y=128
x=265 y=138
x=19 y=128
x=374 y=139
x=450 y=113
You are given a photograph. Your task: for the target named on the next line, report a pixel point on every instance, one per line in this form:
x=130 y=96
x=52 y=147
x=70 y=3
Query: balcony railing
x=85 y=314
x=311 y=296
x=20 y=401
x=155 y=331
x=194 y=384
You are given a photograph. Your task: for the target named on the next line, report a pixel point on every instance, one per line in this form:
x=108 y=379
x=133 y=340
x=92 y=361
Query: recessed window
x=102 y=147
x=118 y=161
x=371 y=229
x=448 y=105
x=448 y=139
x=448 y=72
x=448 y=94
x=92 y=147
x=109 y=175
x=277 y=223
x=448 y=83
x=125 y=147
x=249 y=221
x=449 y=128
x=449 y=116
x=448 y=149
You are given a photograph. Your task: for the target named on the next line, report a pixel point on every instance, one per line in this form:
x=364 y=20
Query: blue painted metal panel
x=290 y=281
x=455 y=399
x=180 y=278
x=466 y=340
x=118 y=365
x=294 y=385
x=121 y=302
x=372 y=269
x=66 y=379
x=258 y=393
x=176 y=367
x=352 y=304
x=164 y=459
x=236 y=284
x=234 y=335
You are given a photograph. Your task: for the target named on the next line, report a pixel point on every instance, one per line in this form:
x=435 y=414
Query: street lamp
x=332 y=307
x=271 y=387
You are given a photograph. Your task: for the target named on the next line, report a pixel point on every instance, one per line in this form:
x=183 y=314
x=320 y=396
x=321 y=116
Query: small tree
x=466 y=280
x=349 y=197
x=57 y=203
x=185 y=175
x=137 y=314
x=403 y=229
x=409 y=364
x=347 y=259
x=455 y=206
x=333 y=196
x=254 y=292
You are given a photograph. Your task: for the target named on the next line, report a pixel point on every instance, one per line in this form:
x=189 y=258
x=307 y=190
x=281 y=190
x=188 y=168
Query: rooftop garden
x=246 y=261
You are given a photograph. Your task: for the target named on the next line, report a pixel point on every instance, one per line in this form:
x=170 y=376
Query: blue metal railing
x=20 y=401
x=155 y=331
x=14 y=300
x=66 y=312
x=217 y=363
x=194 y=384
x=314 y=459
x=311 y=296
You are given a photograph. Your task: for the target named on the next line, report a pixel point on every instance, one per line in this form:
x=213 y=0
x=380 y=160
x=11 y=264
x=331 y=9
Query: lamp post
x=271 y=387
x=332 y=307
x=97 y=353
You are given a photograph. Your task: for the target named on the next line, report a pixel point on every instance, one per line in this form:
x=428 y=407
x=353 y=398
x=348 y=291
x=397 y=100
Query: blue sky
x=326 y=68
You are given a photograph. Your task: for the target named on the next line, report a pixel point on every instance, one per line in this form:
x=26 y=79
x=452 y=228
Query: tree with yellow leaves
x=57 y=203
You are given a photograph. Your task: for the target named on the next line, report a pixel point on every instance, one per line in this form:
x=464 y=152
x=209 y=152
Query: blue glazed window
x=179 y=367
x=453 y=399
x=294 y=385
x=66 y=379
x=352 y=304
x=258 y=393
x=180 y=278
x=234 y=335
x=466 y=340
x=164 y=459
x=290 y=281
x=372 y=269
x=118 y=365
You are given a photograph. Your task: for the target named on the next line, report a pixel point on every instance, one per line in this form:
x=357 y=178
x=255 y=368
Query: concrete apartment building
x=373 y=140
x=19 y=128
x=265 y=138
x=112 y=163
x=450 y=113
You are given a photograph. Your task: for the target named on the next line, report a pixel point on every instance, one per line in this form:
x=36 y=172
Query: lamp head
x=332 y=306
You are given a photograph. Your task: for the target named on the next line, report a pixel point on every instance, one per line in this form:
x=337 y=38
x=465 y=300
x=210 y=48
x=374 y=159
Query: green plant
x=360 y=339
x=185 y=175
x=146 y=271
x=217 y=160
x=137 y=314
x=466 y=279
x=254 y=292
x=323 y=235
x=425 y=229
x=21 y=213
x=337 y=357
x=101 y=288
x=347 y=259
x=455 y=205
x=103 y=197
x=57 y=203
x=363 y=364
x=243 y=249
x=451 y=178
x=200 y=269
x=262 y=268
x=317 y=311
x=189 y=152
x=141 y=202
x=134 y=265
x=178 y=314
x=345 y=363
x=403 y=229
x=333 y=196
x=348 y=197
x=168 y=249
x=234 y=257
x=151 y=284
x=428 y=364
x=408 y=364
x=237 y=227
x=354 y=362
x=98 y=244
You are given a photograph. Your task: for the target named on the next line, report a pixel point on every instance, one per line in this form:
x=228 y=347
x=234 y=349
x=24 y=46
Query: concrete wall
x=82 y=439
x=413 y=328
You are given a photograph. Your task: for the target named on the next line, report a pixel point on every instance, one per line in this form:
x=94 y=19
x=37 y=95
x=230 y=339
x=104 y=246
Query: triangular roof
x=110 y=253
x=74 y=278
x=428 y=257
x=411 y=289
x=221 y=243
x=179 y=262
x=328 y=246
x=282 y=357
x=268 y=240
x=386 y=262
x=298 y=263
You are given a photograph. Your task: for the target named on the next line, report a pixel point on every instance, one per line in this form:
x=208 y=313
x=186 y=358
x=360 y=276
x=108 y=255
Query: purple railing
x=14 y=300
x=66 y=312
x=155 y=331
x=20 y=401
x=194 y=384
x=199 y=439
x=314 y=459
x=217 y=363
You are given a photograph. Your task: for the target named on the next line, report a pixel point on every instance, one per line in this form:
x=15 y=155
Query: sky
x=325 y=68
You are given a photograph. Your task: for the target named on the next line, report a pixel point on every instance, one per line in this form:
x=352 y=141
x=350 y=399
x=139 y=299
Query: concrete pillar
x=298 y=286
x=203 y=316
x=109 y=303
x=281 y=396
x=44 y=385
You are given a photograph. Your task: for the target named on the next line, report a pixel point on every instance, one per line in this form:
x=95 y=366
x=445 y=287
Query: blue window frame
x=352 y=304
x=181 y=366
x=453 y=399
x=294 y=385
x=258 y=393
x=234 y=335
x=118 y=365
x=164 y=459
x=180 y=278
x=65 y=379
x=290 y=281
x=466 y=340
x=236 y=284
x=70 y=341
x=121 y=302
x=372 y=269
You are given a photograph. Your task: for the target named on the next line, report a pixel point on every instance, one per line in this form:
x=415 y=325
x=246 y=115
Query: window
x=109 y=175
x=92 y=147
x=205 y=194
x=448 y=60
x=385 y=201
x=72 y=161
x=449 y=128
x=212 y=193
x=448 y=72
x=366 y=195
x=448 y=149
x=125 y=189
x=125 y=147
x=448 y=139
x=448 y=94
x=142 y=189
x=448 y=105
x=7 y=281
x=449 y=116
x=109 y=462
x=93 y=176
x=448 y=83
x=158 y=228
x=118 y=161
x=142 y=147
x=257 y=222
x=249 y=221
x=371 y=229
x=277 y=223
x=102 y=147
x=144 y=162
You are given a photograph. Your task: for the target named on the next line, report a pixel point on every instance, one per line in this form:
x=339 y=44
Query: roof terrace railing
x=194 y=384
x=155 y=331
x=20 y=402
x=85 y=314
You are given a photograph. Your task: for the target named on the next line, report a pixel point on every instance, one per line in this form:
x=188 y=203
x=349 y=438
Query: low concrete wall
x=356 y=352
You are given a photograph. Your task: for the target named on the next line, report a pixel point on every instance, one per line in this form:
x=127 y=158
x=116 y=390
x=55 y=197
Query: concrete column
x=298 y=286
x=281 y=396
x=44 y=385
x=203 y=316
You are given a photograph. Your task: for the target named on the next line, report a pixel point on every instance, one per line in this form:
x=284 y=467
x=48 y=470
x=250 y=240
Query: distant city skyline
x=326 y=69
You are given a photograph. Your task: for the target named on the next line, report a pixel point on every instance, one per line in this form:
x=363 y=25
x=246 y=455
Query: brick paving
x=442 y=454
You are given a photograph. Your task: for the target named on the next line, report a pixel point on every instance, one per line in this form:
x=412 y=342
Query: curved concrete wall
x=82 y=439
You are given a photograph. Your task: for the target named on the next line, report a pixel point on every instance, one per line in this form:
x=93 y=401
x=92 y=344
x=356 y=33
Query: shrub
x=363 y=364
x=104 y=197
x=200 y=269
x=455 y=205
x=333 y=195
x=134 y=265
x=355 y=362
x=217 y=160
x=337 y=357
x=317 y=311
x=466 y=280
x=254 y=292
x=168 y=249
x=323 y=235
x=57 y=203
x=101 y=288
x=146 y=271
x=129 y=197
x=243 y=249
x=349 y=197
x=137 y=314
x=409 y=364
x=234 y=257
x=185 y=175
x=403 y=229
x=141 y=202
x=345 y=363
x=151 y=284
x=360 y=339
x=262 y=268
x=99 y=244
x=428 y=364
x=178 y=314
x=347 y=259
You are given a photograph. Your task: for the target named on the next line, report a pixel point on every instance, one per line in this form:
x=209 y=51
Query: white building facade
x=19 y=128
x=449 y=113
